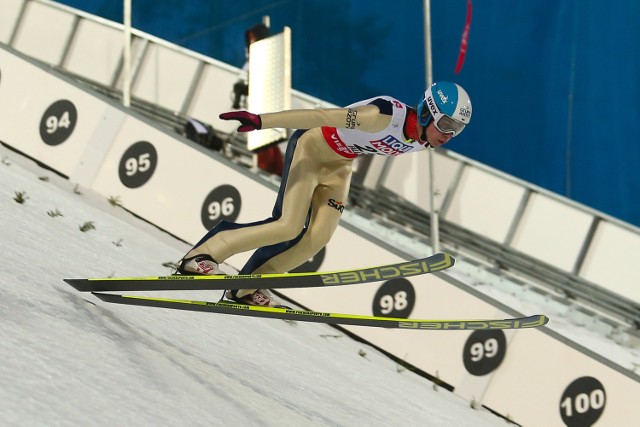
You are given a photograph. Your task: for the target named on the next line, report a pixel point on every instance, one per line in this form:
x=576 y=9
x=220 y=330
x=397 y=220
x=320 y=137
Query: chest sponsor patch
x=388 y=146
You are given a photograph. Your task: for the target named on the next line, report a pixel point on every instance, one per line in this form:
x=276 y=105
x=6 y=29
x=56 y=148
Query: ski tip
x=78 y=284
x=440 y=261
x=449 y=258
x=114 y=298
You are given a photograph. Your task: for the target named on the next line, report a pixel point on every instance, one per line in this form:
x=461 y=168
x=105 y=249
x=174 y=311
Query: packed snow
x=69 y=359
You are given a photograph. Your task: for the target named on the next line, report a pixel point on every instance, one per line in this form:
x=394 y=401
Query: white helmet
x=448 y=105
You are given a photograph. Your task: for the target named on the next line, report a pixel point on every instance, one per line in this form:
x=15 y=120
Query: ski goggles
x=444 y=123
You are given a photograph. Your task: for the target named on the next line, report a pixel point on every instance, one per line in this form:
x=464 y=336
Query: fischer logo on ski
x=384 y=273
x=466 y=325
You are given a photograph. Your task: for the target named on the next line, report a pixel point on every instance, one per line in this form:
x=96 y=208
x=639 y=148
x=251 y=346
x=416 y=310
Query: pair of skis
x=434 y=263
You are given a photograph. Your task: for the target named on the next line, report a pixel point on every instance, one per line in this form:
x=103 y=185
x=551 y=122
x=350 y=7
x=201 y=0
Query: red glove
x=248 y=120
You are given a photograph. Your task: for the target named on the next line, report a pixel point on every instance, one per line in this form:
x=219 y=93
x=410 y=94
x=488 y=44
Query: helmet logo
x=464 y=112
x=443 y=98
x=432 y=106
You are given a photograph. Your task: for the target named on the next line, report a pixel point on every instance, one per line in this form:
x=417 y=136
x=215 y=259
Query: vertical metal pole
x=435 y=231
x=126 y=54
x=427 y=43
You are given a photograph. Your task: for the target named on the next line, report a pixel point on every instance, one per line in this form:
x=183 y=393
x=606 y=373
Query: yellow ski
x=232 y=308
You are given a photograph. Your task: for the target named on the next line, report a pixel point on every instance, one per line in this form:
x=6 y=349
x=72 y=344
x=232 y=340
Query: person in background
x=241 y=87
x=317 y=174
x=268 y=158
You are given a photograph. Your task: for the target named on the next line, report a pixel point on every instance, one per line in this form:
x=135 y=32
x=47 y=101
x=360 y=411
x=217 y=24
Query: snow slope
x=69 y=359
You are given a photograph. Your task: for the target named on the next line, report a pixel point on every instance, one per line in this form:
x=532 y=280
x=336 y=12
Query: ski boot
x=260 y=297
x=199 y=265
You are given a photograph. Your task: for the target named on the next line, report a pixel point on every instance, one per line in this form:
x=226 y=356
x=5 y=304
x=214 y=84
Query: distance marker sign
x=222 y=203
x=582 y=402
x=58 y=122
x=137 y=164
x=395 y=298
x=484 y=351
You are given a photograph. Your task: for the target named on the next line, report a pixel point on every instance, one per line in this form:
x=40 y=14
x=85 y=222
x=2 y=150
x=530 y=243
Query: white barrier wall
x=164 y=77
x=101 y=43
x=573 y=388
x=56 y=121
x=407 y=170
x=552 y=232
x=485 y=204
x=44 y=32
x=533 y=376
x=8 y=18
x=213 y=96
x=614 y=259
x=544 y=225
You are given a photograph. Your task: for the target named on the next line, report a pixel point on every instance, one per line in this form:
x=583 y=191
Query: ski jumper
x=315 y=182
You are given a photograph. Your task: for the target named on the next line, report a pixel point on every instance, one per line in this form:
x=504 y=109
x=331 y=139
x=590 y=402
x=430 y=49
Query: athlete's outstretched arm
x=366 y=118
